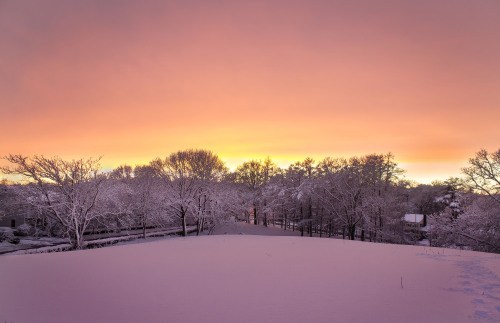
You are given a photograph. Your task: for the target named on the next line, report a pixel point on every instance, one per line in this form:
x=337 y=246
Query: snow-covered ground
x=249 y=278
x=26 y=243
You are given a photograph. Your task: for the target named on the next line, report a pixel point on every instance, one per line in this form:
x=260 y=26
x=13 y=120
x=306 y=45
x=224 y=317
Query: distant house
x=14 y=216
x=13 y=210
x=414 y=222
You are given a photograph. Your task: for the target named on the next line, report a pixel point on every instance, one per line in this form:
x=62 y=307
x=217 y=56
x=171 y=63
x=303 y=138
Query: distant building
x=414 y=222
x=13 y=210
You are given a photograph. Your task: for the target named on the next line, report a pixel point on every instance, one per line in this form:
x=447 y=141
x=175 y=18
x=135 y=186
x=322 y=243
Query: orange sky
x=134 y=80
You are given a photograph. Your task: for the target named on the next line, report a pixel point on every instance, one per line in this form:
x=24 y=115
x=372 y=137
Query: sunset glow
x=135 y=80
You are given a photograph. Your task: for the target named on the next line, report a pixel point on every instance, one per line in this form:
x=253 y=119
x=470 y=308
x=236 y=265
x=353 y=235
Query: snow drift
x=241 y=278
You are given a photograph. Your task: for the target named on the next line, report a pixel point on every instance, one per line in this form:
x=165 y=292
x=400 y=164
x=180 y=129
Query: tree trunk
x=265 y=213
x=321 y=226
x=352 y=232
x=74 y=240
x=310 y=219
x=302 y=222
x=284 y=221
x=183 y=220
x=79 y=240
x=381 y=224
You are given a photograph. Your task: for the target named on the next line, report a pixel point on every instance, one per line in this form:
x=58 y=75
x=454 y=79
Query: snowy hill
x=248 y=278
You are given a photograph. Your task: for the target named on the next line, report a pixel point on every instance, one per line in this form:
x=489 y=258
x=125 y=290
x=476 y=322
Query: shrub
x=7 y=235
x=3 y=236
x=23 y=230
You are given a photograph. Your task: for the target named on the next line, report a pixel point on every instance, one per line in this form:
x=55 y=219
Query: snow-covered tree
x=251 y=174
x=148 y=208
x=115 y=204
x=451 y=197
x=67 y=190
x=187 y=175
x=478 y=225
x=361 y=193
x=477 y=222
x=483 y=174
x=379 y=174
x=342 y=193
x=121 y=172
x=302 y=177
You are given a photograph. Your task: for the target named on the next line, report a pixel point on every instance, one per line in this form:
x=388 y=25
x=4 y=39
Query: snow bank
x=244 y=278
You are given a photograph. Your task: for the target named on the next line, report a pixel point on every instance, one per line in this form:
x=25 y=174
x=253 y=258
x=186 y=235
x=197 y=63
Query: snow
x=243 y=228
x=414 y=218
x=249 y=278
x=27 y=245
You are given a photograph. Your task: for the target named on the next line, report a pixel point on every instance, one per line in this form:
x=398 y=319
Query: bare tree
x=67 y=189
x=301 y=178
x=147 y=200
x=483 y=174
x=115 y=204
x=344 y=192
x=252 y=175
x=379 y=174
x=121 y=172
x=187 y=174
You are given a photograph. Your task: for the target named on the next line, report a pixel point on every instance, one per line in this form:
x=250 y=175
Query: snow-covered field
x=249 y=278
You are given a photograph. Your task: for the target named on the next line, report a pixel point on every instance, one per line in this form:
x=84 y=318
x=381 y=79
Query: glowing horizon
x=285 y=79
x=423 y=173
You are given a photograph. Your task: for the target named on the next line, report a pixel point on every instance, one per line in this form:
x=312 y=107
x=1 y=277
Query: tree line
x=362 y=198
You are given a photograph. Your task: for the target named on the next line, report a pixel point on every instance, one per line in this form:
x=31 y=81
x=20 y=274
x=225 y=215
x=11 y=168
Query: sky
x=135 y=80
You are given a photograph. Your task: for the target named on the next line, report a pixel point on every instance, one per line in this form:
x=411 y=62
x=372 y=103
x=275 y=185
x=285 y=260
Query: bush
x=23 y=230
x=8 y=235
x=3 y=236
x=5 y=233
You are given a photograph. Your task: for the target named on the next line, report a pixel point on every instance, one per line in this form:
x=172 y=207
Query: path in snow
x=251 y=229
x=478 y=283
